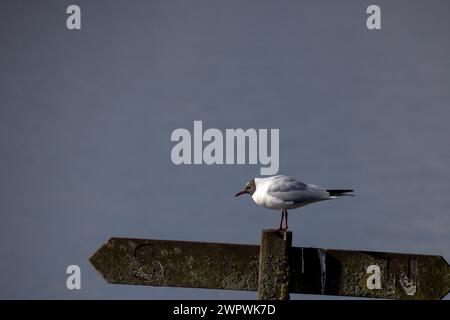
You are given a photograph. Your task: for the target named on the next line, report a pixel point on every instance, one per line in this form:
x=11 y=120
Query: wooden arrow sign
x=369 y=274
x=178 y=264
x=235 y=266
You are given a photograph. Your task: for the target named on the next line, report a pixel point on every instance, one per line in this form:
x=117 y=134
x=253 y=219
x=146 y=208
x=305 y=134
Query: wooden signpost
x=274 y=269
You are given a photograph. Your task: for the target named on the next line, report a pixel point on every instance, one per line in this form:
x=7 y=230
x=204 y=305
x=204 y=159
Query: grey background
x=86 y=118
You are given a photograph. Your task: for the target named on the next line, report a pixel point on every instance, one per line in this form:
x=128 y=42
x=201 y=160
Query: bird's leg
x=286 y=214
x=282 y=219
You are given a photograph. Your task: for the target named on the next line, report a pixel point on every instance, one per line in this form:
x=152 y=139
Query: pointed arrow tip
x=446 y=276
x=97 y=258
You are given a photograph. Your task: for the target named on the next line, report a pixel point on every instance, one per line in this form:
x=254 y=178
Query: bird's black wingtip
x=340 y=192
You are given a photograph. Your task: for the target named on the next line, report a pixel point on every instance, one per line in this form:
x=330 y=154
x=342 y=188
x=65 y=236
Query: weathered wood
x=235 y=266
x=347 y=273
x=178 y=264
x=274 y=269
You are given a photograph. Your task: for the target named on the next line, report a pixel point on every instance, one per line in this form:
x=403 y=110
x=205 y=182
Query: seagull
x=282 y=193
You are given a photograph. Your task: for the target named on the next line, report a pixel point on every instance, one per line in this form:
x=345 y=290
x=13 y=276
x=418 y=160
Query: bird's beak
x=239 y=193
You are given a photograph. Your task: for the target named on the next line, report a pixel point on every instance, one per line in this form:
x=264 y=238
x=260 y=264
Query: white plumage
x=283 y=193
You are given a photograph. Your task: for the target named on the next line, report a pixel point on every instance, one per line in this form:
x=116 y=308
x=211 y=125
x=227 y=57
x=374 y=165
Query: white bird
x=283 y=193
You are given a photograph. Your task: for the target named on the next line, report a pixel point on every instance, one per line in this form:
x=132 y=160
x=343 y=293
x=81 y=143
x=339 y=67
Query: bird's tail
x=340 y=192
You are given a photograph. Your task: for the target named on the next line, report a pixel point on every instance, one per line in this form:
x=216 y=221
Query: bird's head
x=250 y=188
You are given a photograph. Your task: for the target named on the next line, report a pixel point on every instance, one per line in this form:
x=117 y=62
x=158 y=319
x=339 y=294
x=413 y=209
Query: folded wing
x=289 y=190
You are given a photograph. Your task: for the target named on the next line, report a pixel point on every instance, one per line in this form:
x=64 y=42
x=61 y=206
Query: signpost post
x=274 y=269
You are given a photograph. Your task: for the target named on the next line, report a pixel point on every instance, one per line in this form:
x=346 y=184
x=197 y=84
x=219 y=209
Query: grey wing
x=293 y=191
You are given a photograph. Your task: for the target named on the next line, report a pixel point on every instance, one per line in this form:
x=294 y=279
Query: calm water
x=86 y=118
